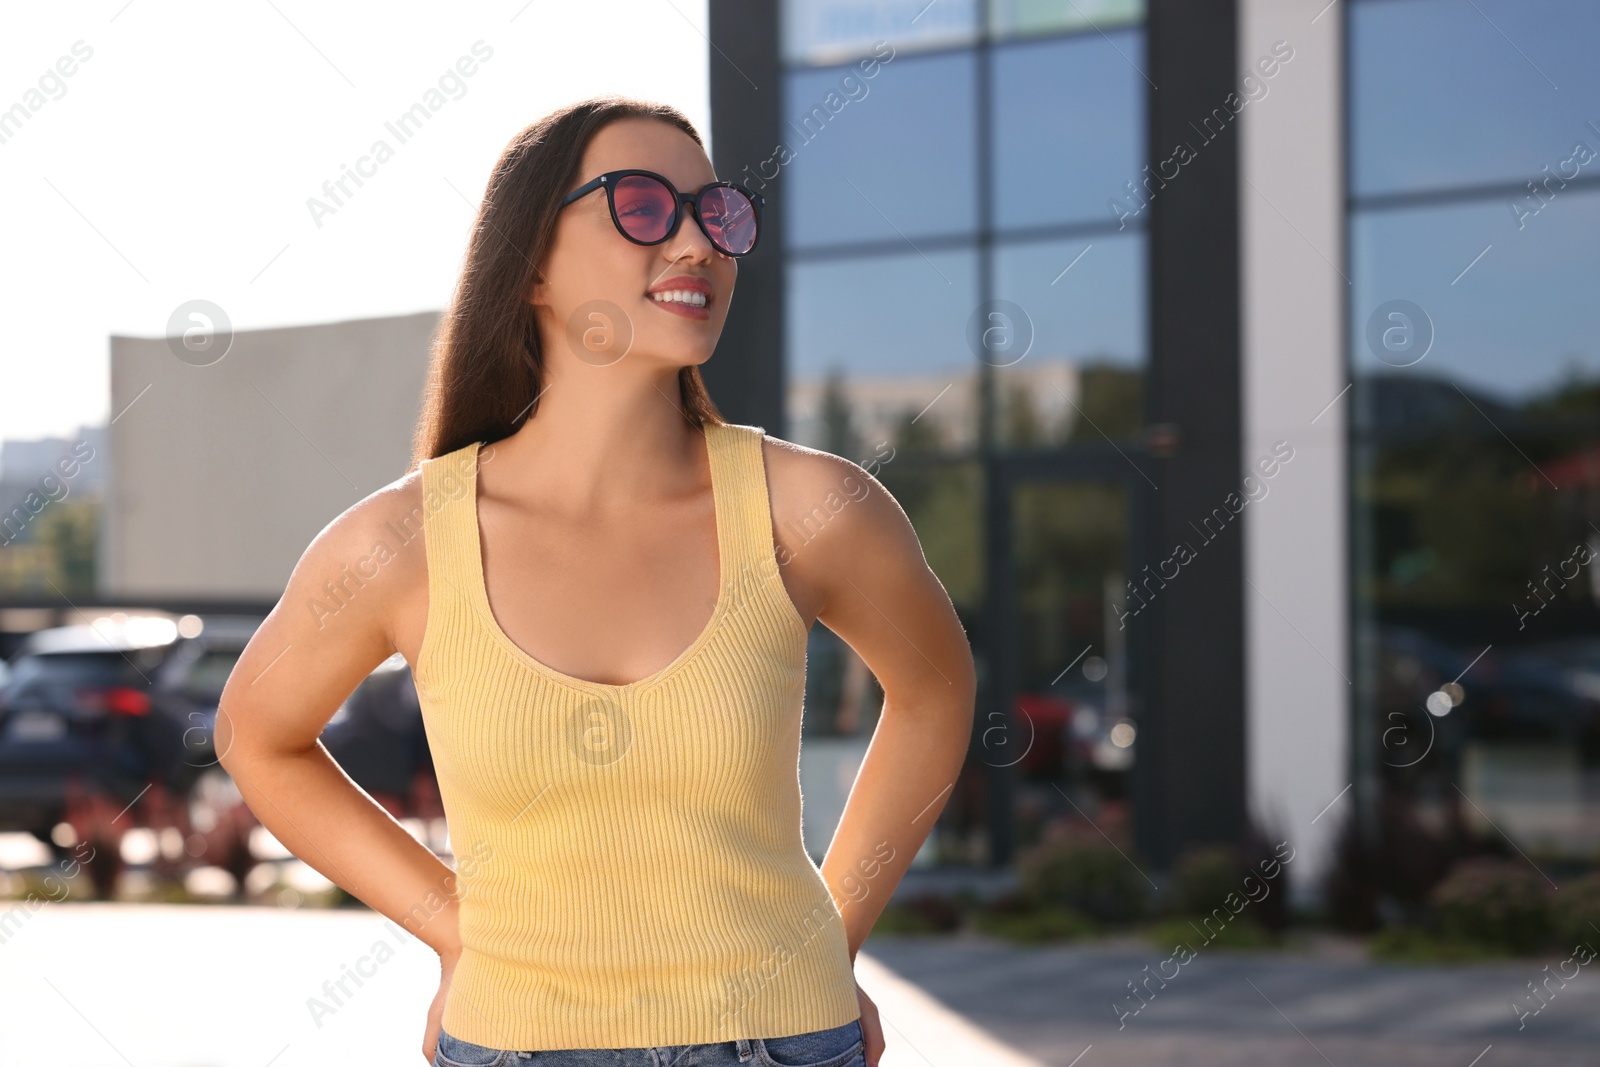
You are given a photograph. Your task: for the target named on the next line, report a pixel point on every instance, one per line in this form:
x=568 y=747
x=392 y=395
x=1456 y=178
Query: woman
x=604 y=591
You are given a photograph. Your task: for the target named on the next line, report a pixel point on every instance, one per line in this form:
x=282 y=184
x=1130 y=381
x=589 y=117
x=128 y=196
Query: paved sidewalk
x=1050 y=1005
x=95 y=985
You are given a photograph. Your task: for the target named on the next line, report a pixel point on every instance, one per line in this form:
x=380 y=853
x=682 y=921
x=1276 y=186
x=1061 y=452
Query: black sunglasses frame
x=608 y=181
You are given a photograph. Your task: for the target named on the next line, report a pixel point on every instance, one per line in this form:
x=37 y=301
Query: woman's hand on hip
x=430 y=1034
x=871 y=1027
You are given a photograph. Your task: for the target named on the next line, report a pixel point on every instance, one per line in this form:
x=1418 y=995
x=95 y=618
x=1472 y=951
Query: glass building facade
x=960 y=281
x=1061 y=313
x=1473 y=169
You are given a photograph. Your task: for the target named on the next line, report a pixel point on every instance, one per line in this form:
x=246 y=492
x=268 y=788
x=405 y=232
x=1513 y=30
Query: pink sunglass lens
x=644 y=207
x=729 y=217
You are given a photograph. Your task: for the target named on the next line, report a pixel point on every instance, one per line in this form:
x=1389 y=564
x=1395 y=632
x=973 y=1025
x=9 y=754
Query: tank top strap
x=450 y=523
x=744 y=513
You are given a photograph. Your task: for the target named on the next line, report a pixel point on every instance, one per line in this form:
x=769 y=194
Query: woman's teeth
x=680 y=296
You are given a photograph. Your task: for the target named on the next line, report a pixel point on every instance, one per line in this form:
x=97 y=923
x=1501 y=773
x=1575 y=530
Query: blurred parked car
x=111 y=725
x=1428 y=689
x=1069 y=728
x=1044 y=722
x=110 y=708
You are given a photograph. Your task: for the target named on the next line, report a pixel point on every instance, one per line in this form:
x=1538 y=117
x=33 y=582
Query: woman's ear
x=536 y=294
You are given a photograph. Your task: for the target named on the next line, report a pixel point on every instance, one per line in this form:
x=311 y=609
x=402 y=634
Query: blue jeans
x=842 y=1046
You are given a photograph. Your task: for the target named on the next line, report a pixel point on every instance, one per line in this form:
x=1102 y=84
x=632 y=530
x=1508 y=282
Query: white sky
x=194 y=135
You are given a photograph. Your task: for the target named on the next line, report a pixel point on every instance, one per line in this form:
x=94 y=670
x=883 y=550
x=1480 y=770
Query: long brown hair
x=486 y=367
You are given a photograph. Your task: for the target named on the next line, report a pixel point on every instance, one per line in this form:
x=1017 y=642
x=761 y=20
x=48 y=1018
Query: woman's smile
x=685 y=294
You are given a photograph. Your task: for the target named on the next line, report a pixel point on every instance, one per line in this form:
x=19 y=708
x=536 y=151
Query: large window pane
x=1508 y=326
x=1069 y=130
x=877 y=352
x=1475 y=426
x=1449 y=94
x=1082 y=310
x=895 y=163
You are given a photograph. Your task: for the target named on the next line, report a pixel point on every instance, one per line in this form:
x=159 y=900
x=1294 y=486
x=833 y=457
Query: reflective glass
x=830 y=31
x=1068 y=127
x=885 y=158
x=1445 y=94
x=1018 y=17
x=1476 y=447
x=877 y=352
x=1503 y=313
x=1080 y=305
x=1076 y=720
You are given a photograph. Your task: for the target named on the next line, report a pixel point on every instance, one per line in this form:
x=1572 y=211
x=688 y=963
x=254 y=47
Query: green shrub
x=1203 y=877
x=925 y=913
x=1494 y=902
x=1032 y=925
x=1236 y=934
x=1017 y=917
x=1575 y=912
x=1091 y=877
x=1407 y=944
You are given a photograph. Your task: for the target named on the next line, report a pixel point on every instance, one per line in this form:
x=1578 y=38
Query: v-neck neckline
x=480 y=588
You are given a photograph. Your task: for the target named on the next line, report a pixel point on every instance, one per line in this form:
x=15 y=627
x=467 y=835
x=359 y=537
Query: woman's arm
x=352 y=590
x=860 y=569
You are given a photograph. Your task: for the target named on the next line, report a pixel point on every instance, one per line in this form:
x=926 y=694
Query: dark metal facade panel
x=1189 y=779
x=746 y=376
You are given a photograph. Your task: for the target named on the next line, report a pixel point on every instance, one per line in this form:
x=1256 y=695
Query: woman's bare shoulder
x=850 y=557
x=819 y=497
x=386 y=527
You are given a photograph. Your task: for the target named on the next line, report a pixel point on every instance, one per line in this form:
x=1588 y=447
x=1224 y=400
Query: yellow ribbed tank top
x=629 y=857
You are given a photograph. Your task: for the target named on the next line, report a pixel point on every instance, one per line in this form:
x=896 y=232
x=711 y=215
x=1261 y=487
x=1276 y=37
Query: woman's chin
x=673 y=355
